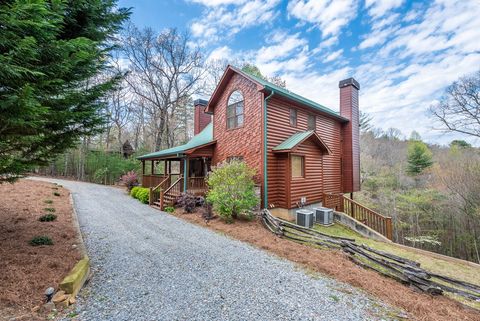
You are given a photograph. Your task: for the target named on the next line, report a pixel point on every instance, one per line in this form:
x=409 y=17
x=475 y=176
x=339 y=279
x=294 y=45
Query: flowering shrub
x=130 y=180
x=232 y=189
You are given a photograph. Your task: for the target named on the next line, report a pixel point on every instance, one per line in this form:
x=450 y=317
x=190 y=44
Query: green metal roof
x=293 y=140
x=293 y=96
x=202 y=138
x=297 y=138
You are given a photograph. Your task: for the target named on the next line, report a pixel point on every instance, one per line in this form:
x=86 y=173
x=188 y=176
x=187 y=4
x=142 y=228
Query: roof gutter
x=265 y=175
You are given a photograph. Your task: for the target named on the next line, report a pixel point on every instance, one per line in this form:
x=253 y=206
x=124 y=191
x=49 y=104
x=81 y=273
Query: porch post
x=165 y=167
x=143 y=167
x=185 y=173
x=152 y=167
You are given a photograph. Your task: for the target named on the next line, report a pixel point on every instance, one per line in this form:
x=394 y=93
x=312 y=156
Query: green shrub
x=232 y=189
x=143 y=195
x=169 y=209
x=41 y=240
x=48 y=218
x=56 y=193
x=134 y=191
x=48 y=201
x=49 y=209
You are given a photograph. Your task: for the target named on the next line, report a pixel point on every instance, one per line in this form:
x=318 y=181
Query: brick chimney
x=351 y=135
x=201 y=118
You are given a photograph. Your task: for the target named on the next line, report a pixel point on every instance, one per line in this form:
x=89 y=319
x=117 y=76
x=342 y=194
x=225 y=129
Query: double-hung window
x=235 y=110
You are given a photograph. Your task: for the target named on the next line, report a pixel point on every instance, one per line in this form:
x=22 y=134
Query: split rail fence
x=401 y=269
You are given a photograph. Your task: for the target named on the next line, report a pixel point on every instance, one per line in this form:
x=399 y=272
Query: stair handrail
x=153 y=189
x=175 y=183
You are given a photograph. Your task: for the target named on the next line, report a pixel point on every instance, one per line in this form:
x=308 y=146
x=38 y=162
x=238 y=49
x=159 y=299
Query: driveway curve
x=149 y=265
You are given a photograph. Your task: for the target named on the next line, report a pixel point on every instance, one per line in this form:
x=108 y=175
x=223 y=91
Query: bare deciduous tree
x=165 y=71
x=459 y=108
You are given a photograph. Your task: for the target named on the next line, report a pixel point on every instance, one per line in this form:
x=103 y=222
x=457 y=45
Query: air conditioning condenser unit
x=304 y=218
x=323 y=215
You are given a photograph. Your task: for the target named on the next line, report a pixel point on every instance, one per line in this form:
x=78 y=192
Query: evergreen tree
x=51 y=53
x=419 y=157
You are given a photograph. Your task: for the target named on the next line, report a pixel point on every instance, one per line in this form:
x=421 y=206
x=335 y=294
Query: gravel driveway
x=149 y=265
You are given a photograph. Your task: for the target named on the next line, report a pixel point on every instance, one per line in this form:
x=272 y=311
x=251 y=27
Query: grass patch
x=56 y=193
x=458 y=270
x=334 y=298
x=40 y=240
x=169 y=209
x=48 y=201
x=49 y=209
x=48 y=218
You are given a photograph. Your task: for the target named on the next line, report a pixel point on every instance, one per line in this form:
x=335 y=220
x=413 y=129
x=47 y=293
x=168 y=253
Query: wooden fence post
x=161 y=200
x=389 y=228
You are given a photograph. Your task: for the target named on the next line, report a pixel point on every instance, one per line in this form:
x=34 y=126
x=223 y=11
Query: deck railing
x=196 y=183
x=152 y=180
x=378 y=222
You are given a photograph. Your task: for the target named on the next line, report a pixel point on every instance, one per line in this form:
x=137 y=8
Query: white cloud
x=214 y=3
x=220 y=53
x=377 y=8
x=330 y=15
x=333 y=56
x=224 y=18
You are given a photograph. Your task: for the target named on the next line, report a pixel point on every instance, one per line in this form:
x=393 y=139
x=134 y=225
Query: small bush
x=41 y=240
x=207 y=212
x=48 y=218
x=188 y=201
x=48 y=201
x=130 y=180
x=143 y=195
x=56 y=193
x=134 y=190
x=169 y=209
x=49 y=209
x=232 y=189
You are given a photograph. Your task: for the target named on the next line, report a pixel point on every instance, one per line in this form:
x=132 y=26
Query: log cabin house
x=301 y=150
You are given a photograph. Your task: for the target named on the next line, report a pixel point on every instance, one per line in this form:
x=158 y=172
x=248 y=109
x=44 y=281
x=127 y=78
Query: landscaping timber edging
x=75 y=280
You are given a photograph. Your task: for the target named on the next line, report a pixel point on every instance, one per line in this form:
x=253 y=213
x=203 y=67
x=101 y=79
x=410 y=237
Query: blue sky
x=403 y=53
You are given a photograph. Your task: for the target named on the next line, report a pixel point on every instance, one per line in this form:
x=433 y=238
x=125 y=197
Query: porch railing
x=152 y=180
x=378 y=222
x=196 y=183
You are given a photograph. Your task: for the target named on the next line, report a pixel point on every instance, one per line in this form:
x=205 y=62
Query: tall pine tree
x=419 y=157
x=51 y=53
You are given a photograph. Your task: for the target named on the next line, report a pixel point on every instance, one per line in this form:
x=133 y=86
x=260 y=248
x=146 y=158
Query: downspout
x=265 y=177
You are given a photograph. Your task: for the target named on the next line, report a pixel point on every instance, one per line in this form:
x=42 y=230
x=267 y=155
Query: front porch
x=167 y=178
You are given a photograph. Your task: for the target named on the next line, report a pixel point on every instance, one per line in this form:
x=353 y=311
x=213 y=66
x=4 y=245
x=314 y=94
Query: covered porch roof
x=203 y=139
x=292 y=142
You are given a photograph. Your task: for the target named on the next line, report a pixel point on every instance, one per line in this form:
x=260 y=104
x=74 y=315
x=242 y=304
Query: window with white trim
x=235 y=110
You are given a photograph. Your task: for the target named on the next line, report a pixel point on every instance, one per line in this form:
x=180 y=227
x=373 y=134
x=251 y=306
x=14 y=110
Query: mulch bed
x=25 y=270
x=334 y=263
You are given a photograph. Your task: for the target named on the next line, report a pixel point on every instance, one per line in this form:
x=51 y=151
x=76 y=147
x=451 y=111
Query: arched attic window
x=235 y=110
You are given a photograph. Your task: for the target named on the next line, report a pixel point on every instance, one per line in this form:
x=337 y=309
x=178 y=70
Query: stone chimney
x=351 y=135
x=201 y=118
